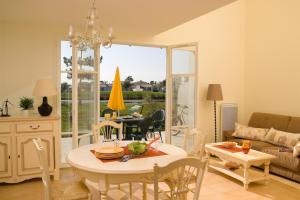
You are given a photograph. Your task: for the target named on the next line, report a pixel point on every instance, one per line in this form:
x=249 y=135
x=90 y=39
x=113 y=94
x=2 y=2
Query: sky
x=142 y=63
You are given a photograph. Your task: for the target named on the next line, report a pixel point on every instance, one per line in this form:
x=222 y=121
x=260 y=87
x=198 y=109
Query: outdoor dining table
x=124 y=119
x=87 y=166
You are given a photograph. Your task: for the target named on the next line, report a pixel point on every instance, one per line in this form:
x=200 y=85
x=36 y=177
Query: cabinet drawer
x=4 y=128
x=34 y=127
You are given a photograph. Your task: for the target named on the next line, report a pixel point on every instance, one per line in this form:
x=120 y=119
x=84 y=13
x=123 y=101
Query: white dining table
x=87 y=166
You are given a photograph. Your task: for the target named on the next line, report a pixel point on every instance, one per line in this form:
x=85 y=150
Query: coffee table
x=244 y=173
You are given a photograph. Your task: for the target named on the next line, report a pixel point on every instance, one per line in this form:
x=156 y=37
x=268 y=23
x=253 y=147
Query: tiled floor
x=215 y=187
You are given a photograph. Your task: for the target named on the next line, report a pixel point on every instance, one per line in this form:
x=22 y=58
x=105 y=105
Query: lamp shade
x=214 y=92
x=44 y=87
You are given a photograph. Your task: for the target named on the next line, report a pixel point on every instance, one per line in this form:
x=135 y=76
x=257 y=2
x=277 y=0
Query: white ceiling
x=127 y=17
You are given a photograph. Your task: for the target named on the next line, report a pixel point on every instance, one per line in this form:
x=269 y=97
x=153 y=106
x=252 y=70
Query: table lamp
x=44 y=88
x=214 y=93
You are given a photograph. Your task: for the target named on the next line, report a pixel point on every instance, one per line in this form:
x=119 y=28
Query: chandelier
x=93 y=34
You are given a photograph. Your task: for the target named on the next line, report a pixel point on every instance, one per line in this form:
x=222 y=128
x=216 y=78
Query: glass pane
x=183 y=92
x=66 y=56
x=66 y=103
x=86 y=59
x=183 y=60
x=66 y=115
x=66 y=99
x=183 y=101
x=86 y=105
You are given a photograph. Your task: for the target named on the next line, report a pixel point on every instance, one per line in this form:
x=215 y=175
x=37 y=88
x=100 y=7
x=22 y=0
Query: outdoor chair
x=158 y=123
x=141 y=131
x=75 y=190
x=177 y=175
x=107 y=129
x=133 y=126
x=135 y=108
x=107 y=111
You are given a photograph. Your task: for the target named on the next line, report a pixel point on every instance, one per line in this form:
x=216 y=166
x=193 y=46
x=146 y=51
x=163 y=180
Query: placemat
x=151 y=152
x=232 y=150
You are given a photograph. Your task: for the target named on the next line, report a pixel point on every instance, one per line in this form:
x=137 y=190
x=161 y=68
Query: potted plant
x=26 y=104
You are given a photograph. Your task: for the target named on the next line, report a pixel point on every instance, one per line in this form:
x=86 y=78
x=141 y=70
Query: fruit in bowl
x=229 y=144
x=137 y=148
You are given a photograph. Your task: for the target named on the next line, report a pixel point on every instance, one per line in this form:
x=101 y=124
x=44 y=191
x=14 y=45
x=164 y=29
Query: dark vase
x=45 y=109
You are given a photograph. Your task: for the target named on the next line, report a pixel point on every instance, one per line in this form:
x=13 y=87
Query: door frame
x=169 y=76
x=168 y=82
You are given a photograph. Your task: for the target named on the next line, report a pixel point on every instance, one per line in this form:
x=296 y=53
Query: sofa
x=285 y=164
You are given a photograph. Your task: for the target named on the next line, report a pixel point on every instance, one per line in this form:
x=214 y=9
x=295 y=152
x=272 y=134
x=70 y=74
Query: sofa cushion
x=283 y=158
x=265 y=120
x=256 y=145
x=296 y=150
x=282 y=138
x=247 y=132
x=294 y=125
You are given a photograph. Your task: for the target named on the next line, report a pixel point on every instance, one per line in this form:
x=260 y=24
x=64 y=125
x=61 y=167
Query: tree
x=152 y=82
x=127 y=82
x=163 y=83
x=64 y=86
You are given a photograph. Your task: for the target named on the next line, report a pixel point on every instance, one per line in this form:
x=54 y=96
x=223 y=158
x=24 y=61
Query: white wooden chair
x=194 y=142
x=177 y=175
x=76 y=190
x=107 y=129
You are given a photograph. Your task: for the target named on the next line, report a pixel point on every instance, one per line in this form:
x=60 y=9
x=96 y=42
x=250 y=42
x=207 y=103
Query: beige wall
x=220 y=37
x=272 y=73
x=28 y=52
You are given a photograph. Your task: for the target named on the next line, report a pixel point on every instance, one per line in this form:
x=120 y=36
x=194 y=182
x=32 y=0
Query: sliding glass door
x=182 y=91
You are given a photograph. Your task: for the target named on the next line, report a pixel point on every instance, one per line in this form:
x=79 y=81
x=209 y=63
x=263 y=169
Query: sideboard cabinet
x=18 y=158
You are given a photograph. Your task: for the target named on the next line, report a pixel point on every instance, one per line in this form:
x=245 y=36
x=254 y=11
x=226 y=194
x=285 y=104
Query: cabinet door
x=28 y=160
x=5 y=156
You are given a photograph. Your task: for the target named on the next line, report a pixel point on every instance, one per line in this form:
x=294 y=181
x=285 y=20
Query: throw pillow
x=282 y=138
x=296 y=150
x=246 y=132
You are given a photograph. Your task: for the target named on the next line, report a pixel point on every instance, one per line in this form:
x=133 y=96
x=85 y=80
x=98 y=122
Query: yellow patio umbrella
x=116 y=101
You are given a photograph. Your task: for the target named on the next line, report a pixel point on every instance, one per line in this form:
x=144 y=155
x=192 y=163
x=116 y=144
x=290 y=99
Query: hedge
x=128 y=95
x=134 y=95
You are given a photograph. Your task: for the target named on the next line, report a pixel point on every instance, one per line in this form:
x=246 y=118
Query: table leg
x=246 y=176
x=104 y=187
x=266 y=171
x=144 y=191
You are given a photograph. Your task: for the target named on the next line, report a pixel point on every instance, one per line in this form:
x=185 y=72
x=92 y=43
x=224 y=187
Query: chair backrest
x=135 y=108
x=107 y=129
x=178 y=175
x=158 y=118
x=145 y=124
x=106 y=111
x=196 y=140
x=44 y=167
